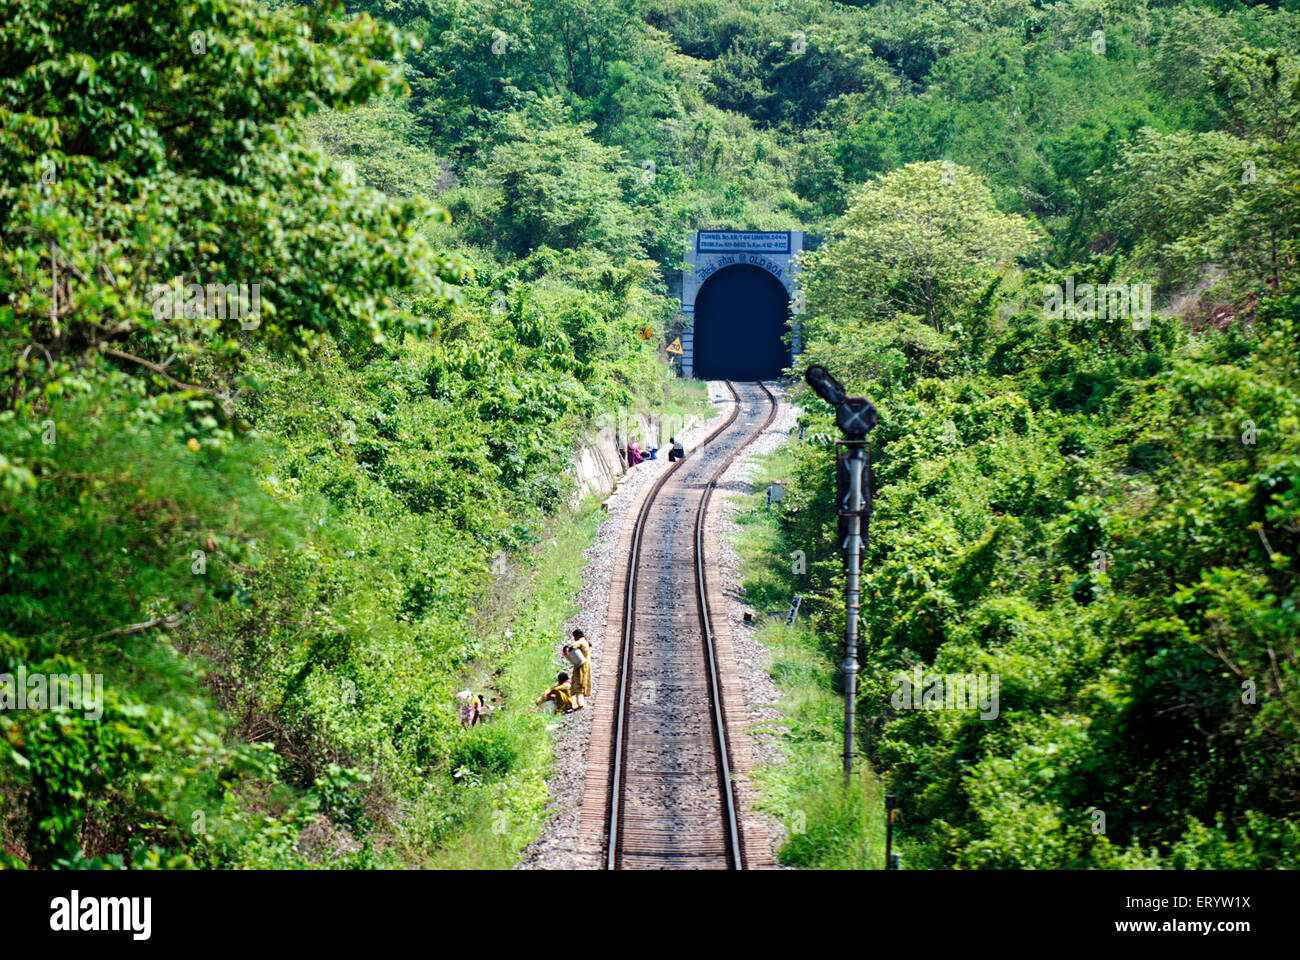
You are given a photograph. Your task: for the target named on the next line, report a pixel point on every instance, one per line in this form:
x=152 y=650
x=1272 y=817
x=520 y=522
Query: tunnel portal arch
x=740 y=325
x=735 y=284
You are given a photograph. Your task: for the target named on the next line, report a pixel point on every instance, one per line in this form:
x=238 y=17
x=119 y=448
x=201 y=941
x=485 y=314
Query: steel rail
x=618 y=774
x=706 y=623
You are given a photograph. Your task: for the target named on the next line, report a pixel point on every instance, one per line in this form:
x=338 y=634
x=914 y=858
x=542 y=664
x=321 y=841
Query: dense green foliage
x=272 y=532
x=1099 y=512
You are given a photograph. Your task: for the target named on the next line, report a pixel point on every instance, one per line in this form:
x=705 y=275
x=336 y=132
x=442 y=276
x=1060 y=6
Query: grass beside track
x=507 y=760
x=502 y=799
x=829 y=825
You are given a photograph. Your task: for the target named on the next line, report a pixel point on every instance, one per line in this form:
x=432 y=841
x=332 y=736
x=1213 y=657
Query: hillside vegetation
x=1098 y=510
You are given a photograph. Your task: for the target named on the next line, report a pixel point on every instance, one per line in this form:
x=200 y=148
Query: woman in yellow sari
x=582 y=676
x=574 y=657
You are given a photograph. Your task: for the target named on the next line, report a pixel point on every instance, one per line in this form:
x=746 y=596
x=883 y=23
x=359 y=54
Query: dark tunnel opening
x=740 y=317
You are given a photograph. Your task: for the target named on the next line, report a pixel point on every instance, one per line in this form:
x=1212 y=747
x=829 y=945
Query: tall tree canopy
x=924 y=239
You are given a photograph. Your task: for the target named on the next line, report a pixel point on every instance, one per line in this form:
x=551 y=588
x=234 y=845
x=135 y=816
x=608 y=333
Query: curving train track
x=671 y=801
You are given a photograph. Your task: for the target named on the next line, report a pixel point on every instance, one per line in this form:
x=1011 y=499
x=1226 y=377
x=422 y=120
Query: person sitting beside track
x=633 y=453
x=560 y=693
x=676 y=451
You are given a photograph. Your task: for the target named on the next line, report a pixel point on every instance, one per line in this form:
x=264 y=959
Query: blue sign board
x=742 y=241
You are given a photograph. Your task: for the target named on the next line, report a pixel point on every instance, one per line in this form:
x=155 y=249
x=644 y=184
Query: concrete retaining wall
x=598 y=463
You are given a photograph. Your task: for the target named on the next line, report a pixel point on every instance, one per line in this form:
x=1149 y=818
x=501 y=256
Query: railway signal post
x=855 y=416
x=891 y=858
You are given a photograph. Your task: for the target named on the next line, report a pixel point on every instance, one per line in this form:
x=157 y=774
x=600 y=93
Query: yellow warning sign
x=647 y=333
x=675 y=346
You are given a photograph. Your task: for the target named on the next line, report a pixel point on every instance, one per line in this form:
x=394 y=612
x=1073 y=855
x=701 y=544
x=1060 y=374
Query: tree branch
x=148 y=365
x=168 y=621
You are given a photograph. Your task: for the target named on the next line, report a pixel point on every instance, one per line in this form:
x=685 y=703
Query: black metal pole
x=855 y=416
x=891 y=804
x=852 y=603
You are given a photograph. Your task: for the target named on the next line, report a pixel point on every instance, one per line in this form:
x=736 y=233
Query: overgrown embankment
x=272 y=524
x=1102 y=520
x=333 y=571
x=828 y=824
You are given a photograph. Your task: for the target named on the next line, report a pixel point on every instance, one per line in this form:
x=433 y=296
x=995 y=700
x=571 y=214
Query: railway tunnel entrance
x=740 y=321
x=741 y=300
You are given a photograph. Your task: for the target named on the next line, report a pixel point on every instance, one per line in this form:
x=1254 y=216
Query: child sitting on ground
x=560 y=694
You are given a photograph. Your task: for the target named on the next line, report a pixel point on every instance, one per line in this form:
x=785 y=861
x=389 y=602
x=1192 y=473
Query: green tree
x=560 y=188
x=924 y=239
x=201 y=179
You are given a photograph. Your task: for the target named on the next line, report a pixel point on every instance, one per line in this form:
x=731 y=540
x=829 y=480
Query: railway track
x=671 y=800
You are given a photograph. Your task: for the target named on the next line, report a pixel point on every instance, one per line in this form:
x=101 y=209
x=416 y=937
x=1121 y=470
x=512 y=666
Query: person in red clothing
x=633 y=453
